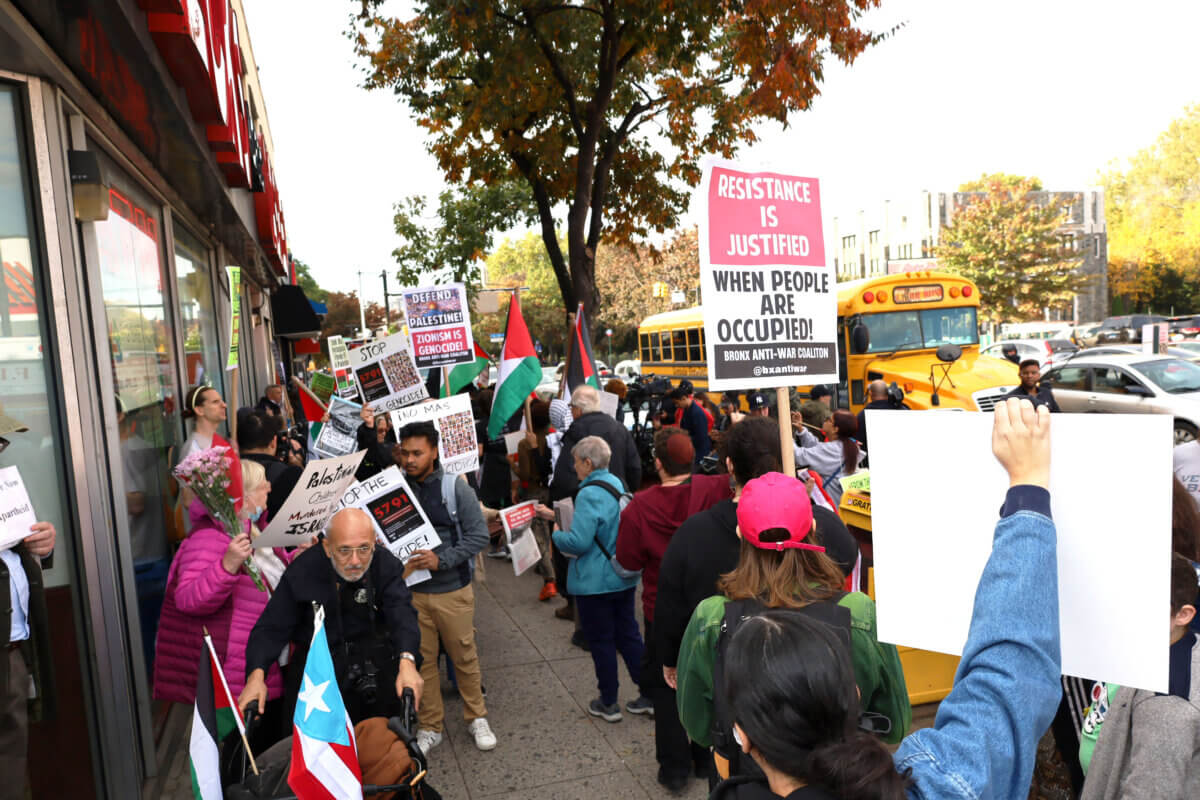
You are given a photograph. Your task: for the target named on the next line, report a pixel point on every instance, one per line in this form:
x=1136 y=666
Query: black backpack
x=737 y=611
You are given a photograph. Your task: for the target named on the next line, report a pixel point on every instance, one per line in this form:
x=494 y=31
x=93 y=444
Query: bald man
x=369 y=621
x=877 y=393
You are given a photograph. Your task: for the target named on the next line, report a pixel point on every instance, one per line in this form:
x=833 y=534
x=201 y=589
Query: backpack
x=623 y=498
x=828 y=611
x=450 y=501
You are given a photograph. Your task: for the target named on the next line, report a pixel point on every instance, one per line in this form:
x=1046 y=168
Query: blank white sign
x=936 y=492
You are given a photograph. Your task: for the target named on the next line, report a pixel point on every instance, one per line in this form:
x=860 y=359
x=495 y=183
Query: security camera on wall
x=88 y=188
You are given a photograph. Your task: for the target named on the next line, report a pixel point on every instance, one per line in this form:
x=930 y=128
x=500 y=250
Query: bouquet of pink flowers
x=206 y=472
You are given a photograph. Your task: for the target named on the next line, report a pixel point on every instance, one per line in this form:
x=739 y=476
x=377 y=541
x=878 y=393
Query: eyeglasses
x=361 y=550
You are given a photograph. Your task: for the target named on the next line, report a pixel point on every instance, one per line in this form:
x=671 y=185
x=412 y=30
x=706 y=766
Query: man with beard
x=369 y=620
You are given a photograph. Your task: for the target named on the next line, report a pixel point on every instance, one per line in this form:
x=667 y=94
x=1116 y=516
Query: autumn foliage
x=601 y=108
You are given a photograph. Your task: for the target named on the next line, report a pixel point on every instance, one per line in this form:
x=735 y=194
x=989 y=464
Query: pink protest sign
x=763 y=218
x=769 y=299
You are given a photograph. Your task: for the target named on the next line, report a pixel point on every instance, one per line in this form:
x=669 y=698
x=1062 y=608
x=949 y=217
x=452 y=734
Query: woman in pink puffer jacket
x=207 y=587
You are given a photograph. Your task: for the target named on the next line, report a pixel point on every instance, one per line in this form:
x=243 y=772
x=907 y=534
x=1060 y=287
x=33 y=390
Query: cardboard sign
x=235 y=315
x=458 y=448
x=512 y=441
x=522 y=545
x=609 y=403
x=770 y=302
x=858 y=482
x=386 y=375
x=339 y=364
x=439 y=325
x=400 y=523
x=935 y=508
x=339 y=436
x=310 y=505
x=16 y=511
x=323 y=386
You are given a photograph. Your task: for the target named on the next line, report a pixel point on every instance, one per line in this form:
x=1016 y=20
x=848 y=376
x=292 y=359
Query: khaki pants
x=14 y=728
x=452 y=617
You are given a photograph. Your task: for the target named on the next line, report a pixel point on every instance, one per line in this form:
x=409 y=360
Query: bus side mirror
x=949 y=353
x=860 y=339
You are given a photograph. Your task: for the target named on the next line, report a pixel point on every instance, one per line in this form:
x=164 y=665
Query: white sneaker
x=484 y=738
x=427 y=740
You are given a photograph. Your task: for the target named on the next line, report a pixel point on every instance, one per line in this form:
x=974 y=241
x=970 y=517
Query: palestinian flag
x=215 y=716
x=581 y=368
x=519 y=373
x=460 y=374
x=313 y=409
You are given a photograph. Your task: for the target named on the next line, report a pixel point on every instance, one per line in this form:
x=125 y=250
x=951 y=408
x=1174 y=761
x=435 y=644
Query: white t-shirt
x=1186 y=463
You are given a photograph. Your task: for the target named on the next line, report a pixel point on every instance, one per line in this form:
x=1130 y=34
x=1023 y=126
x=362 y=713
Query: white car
x=1048 y=352
x=1174 y=349
x=627 y=369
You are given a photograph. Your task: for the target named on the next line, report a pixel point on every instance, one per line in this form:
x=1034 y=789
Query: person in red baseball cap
x=782 y=565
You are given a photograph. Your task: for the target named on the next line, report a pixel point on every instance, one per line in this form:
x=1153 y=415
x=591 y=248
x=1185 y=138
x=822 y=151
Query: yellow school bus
x=891 y=327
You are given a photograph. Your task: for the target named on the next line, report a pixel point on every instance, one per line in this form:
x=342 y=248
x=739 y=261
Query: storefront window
x=201 y=347
x=128 y=260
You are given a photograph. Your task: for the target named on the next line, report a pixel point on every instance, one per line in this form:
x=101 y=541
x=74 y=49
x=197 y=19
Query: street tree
x=343 y=317
x=306 y=281
x=1152 y=209
x=522 y=262
x=989 y=179
x=1008 y=242
x=601 y=108
x=626 y=279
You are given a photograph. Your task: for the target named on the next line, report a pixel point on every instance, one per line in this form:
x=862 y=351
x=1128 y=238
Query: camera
x=360 y=679
x=650 y=391
x=895 y=396
x=288 y=440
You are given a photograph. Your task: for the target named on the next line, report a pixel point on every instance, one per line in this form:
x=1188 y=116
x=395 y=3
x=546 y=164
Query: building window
x=873 y=237
x=1095 y=247
x=201 y=348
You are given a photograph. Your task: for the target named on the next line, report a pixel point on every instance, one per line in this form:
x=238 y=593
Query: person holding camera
x=881 y=397
x=258 y=438
x=369 y=620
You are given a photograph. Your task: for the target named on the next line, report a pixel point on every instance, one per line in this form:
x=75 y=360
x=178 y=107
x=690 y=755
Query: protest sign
x=339 y=436
x=457 y=447
x=339 y=364
x=934 y=509
x=609 y=403
x=770 y=302
x=400 y=522
x=16 y=512
x=323 y=386
x=439 y=325
x=512 y=441
x=858 y=482
x=386 y=375
x=522 y=546
x=310 y=505
x=235 y=315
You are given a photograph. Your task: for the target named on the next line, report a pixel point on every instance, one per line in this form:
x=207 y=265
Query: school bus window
x=654 y=351
x=677 y=339
x=693 y=340
x=645 y=338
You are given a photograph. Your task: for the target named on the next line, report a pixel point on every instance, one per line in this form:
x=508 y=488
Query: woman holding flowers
x=220 y=583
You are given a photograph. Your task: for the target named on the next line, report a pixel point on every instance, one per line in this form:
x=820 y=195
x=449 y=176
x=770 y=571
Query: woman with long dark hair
x=789 y=685
x=835 y=458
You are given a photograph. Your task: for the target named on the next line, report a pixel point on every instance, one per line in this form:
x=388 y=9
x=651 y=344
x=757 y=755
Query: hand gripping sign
x=770 y=303
x=518 y=531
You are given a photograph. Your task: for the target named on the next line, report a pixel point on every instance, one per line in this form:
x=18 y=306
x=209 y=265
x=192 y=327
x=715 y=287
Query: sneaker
x=427 y=740
x=499 y=552
x=547 y=592
x=642 y=705
x=484 y=738
x=607 y=713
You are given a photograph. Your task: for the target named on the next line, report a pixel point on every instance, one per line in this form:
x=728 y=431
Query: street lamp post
x=608 y=335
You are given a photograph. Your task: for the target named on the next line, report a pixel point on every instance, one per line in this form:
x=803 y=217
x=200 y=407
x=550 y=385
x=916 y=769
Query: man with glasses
x=369 y=620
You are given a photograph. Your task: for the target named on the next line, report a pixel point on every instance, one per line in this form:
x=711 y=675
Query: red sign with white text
x=761 y=218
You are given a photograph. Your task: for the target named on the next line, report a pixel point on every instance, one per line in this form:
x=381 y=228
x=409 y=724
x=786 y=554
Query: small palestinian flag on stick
x=214 y=717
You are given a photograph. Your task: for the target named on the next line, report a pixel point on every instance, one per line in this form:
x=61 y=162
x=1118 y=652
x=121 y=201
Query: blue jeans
x=609 y=625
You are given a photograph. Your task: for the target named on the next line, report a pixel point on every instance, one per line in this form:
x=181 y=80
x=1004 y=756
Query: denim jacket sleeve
x=984 y=740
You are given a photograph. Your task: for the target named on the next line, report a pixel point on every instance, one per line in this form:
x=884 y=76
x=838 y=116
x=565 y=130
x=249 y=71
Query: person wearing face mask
x=370 y=623
x=208 y=588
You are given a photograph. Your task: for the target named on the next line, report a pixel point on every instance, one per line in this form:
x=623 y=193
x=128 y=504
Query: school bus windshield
x=916 y=330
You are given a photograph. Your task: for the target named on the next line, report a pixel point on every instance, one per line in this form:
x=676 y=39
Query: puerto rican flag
x=324 y=755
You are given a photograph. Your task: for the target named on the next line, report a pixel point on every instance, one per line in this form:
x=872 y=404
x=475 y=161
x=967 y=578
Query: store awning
x=293 y=315
x=319 y=308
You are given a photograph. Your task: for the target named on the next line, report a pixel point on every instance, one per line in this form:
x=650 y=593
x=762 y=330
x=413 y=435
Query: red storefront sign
x=269 y=213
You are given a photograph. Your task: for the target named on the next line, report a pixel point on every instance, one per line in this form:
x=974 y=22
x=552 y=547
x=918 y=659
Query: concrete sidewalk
x=538 y=688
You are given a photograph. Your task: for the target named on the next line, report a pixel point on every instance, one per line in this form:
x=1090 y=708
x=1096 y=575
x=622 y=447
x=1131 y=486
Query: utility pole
x=387 y=298
x=362 y=309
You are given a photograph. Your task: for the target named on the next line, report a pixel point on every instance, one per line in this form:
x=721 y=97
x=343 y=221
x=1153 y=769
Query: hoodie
x=747 y=788
x=651 y=519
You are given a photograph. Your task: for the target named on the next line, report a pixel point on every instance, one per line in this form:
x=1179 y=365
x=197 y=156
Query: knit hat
x=560 y=414
x=779 y=507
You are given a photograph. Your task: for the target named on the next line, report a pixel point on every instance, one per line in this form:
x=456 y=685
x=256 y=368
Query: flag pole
x=783 y=407
x=236 y=710
x=446 y=379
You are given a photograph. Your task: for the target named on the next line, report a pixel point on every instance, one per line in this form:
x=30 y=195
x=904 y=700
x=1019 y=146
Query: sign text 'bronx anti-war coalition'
x=770 y=308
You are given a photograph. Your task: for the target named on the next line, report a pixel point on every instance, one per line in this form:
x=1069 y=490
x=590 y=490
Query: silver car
x=1131 y=383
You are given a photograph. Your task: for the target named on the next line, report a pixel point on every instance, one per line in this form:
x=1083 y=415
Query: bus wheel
x=1184 y=432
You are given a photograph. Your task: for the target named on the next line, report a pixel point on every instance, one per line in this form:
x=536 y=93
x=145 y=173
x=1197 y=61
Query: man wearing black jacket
x=369 y=621
x=257 y=437
x=591 y=421
x=707 y=544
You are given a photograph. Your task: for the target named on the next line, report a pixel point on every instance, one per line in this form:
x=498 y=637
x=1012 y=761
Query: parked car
x=1085 y=335
x=1046 y=351
x=1127 y=328
x=1120 y=349
x=1131 y=383
x=1180 y=328
x=628 y=369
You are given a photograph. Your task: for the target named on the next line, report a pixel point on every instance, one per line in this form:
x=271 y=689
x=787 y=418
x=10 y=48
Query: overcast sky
x=1053 y=88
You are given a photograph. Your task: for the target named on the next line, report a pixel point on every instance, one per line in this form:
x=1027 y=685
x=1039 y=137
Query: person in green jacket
x=783 y=566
